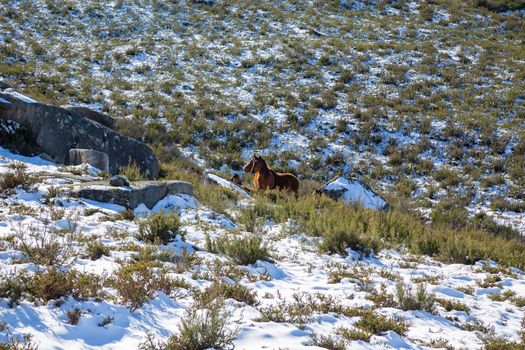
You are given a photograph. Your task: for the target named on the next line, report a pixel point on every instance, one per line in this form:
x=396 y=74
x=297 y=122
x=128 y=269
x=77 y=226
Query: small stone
x=119 y=181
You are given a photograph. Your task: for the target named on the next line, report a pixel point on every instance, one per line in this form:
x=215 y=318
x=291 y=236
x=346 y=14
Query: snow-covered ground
x=298 y=272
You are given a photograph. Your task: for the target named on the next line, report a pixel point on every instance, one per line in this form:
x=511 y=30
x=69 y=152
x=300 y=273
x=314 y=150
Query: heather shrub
x=138 y=282
x=204 y=329
x=244 y=250
x=159 y=228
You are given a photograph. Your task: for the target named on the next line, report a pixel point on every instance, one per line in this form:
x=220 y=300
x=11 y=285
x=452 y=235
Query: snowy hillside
x=412 y=112
x=298 y=299
x=423 y=99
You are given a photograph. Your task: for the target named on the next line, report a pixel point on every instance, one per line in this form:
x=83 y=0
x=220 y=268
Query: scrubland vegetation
x=422 y=100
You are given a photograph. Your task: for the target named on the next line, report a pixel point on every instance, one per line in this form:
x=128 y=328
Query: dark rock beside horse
x=353 y=191
x=4 y=85
x=219 y=181
x=147 y=192
x=55 y=131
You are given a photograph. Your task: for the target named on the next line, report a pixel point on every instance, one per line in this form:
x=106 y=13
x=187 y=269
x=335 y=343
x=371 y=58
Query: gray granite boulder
x=56 y=130
x=147 y=192
x=352 y=191
x=90 y=114
x=99 y=160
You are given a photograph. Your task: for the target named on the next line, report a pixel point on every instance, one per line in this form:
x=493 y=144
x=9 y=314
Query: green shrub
x=159 y=228
x=15 y=286
x=204 y=329
x=43 y=245
x=132 y=172
x=74 y=316
x=327 y=342
x=501 y=5
x=374 y=323
x=244 y=250
x=18 y=176
x=96 y=249
x=50 y=284
x=138 y=282
x=223 y=290
x=451 y=305
x=420 y=300
x=450 y=213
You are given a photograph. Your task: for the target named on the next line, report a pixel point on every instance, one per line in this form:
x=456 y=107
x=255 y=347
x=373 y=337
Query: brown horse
x=266 y=178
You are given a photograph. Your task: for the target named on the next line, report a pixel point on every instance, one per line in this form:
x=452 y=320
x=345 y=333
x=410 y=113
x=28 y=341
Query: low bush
x=450 y=213
x=373 y=323
x=204 y=329
x=138 y=282
x=17 y=177
x=132 y=172
x=301 y=309
x=50 y=284
x=327 y=342
x=452 y=305
x=501 y=5
x=223 y=290
x=74 y=316
x=244 y=250
x=159 y=228
x=367 y=230
x=44 y=245
x=418 y=300
x=96 y=249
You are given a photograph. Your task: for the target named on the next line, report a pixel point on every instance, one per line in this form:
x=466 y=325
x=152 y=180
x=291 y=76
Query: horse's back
x=287 y=181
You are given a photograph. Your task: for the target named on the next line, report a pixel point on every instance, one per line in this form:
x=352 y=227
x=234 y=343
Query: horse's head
x=254 y=165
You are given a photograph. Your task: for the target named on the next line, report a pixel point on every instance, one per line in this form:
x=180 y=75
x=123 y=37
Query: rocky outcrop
x=90 y=114
x=99 y=160
x=57 y=130
x=147 y=192
x=353 y=191
x=217 y=180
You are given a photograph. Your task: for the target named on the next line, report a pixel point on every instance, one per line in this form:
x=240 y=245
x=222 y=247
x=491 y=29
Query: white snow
x=357 y=192
x=20 y=96
x=227 y=184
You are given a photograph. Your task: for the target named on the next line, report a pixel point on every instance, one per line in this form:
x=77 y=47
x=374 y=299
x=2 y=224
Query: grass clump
x=452 y=305
x=244 y=250
x=132 y=172
x=74 y=316
x=418 y=300
x=327 y=342
x=159 y=228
